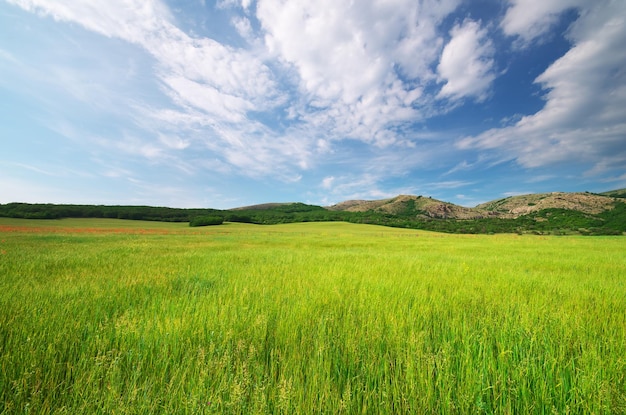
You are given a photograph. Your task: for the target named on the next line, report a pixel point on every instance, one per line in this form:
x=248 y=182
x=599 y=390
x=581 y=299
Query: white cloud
x=362 y=67
x=207 y=99
x=530 y=19
x=244 y=4
x=463 y=165
x=126 y=19
x=320 y=72
x=517 y=193
x=8 y=57
x=215 y=90
x=466 y=63
x=327 y=182
x=244 y=27
x=355 y=187
x=174 y=142
x=450 y=184
x=338 y=71
x=199 y=72
x=48 y=170
x=620 y=181
x=541 y=178
x=583 y=118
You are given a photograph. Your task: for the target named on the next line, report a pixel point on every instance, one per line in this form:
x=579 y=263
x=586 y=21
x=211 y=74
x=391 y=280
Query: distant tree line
x=206 y=221
x=51 y=211
x=547 y=221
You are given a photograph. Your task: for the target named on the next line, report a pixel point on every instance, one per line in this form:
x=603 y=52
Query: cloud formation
x=585 y=94
x=360 y=67
x=374 y=93
x=319 y=47
x=531 y=19
x=213 y=87
x=466 y=64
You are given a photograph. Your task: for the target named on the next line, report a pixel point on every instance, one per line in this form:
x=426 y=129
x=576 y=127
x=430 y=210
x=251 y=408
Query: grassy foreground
x=108 y=316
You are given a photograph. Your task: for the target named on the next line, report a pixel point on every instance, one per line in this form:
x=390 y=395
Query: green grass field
x=121 y=317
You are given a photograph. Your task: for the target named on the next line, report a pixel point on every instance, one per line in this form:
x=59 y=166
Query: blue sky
x=236 y=102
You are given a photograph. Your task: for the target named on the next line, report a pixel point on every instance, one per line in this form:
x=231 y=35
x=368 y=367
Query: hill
x=557 y=212
x=508 y=208
x=412 y=206
x=515 y=206
x=621 y=193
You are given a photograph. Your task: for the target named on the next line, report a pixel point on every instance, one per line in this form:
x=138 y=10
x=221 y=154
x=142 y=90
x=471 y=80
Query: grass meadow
x=122 y=317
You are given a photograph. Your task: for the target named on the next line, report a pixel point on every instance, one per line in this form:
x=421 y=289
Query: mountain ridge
x=559 y=213
x=510 y=207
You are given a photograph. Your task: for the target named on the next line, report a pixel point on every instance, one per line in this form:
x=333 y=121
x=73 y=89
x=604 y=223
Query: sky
x=229 y=103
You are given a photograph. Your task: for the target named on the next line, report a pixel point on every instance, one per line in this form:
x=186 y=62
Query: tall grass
x=307 y=318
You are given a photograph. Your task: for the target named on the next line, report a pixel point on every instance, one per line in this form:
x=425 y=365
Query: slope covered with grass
x=307 y=318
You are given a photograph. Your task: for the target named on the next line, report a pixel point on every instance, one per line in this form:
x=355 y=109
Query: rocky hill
x=507 y=208
x=555 y=213
x=515 y=206
x=412 y=206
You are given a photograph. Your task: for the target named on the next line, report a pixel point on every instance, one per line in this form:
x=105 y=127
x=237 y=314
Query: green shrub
x=206 y=221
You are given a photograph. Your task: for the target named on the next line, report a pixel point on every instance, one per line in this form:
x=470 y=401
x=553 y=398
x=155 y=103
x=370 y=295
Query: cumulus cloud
x=583 y=116
x=466 y=64
x=362 y=67
x=530 y=19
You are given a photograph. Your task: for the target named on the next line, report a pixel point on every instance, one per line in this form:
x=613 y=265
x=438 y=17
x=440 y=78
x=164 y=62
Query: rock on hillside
x=412 y=206
x=515 y=206
x=510 y=207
